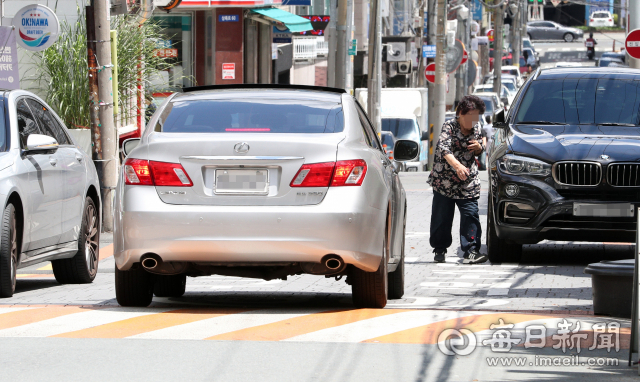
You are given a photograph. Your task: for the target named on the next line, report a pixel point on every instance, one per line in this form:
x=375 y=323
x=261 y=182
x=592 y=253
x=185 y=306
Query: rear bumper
x=343 y=224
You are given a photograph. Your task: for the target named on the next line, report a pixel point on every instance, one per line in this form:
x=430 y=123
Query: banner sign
x=9 y=74
x=297 y=2
x=281 y=34
x=429 y=51
x=319 y=24
x=37 y=26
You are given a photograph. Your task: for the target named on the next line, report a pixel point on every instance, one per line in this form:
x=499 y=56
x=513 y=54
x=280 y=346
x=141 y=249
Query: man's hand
x=475 y=146
x=462 y=172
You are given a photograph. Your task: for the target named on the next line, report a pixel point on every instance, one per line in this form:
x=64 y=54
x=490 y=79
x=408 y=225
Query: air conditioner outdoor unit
x=404 y=67
x=396 y=51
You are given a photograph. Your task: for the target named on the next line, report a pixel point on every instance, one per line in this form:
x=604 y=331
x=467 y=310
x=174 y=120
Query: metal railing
x=304 y=48
x=322 y=46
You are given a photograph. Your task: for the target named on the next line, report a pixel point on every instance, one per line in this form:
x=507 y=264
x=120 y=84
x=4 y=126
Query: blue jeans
x=442 y=211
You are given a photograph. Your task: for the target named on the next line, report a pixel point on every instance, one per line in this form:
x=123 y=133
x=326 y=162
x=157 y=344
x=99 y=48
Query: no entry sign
x=430 y=73
x=632 y=43
x=465 y=57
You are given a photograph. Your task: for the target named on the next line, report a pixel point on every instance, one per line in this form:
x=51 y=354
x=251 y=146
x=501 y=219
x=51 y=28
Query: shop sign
x=163 y=44
x=353 y=47
x=229 y=71
x=166 y=53
x=319 y=24
x=228 y=18
x=38 y=27
x=297 y=2
x=9 y=75
x=281 y=34
x=429 y=51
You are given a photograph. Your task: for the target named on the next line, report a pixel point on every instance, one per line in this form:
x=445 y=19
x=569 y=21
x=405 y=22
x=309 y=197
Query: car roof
x=260 y=91
x=588 y=72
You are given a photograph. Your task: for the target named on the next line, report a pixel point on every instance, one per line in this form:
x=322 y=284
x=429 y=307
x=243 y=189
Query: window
x=402 y=128
x=370 y=135
x=27 y=124
x=254 y=116
x=582 y=101
x=48 y=123
x=547 y=25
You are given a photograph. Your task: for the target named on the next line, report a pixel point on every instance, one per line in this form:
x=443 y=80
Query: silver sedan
x=49 y=195
x=261 y=182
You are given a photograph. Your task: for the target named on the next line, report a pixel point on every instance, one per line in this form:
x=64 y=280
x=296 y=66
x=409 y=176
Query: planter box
x=612 y=287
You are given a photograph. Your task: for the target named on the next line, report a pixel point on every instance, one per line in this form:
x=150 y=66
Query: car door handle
x=53 y=161
x=79 y=158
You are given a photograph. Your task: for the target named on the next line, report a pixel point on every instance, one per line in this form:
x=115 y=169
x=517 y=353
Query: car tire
x=82 y=268
x=396 y=278
x=9 y=250
x=498 y=250
x=134 y=287
x=369 y=289
x=170 y=286
x=568 y=37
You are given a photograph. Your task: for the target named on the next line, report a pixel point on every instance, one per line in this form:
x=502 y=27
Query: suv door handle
x=53 y=161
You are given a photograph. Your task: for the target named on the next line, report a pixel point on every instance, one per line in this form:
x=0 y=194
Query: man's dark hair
x=468 y=103
x=591 y=35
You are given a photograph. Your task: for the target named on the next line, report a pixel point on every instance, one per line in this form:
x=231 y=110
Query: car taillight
x=609 y=19
x=349 y=173
x=149 y=173
x=591 y=20
x=137 y=172
x=314 y=175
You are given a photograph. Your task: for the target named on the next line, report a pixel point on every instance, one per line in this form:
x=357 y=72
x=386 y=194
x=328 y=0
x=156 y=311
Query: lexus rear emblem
x=604 y=156
x=241 y=148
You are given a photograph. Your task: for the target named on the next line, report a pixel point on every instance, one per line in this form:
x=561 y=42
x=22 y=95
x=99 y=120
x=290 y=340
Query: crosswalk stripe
x=13 y=309
x=428 y=334
x=75 y=321
x=143 y=324
x=379 y=326
x=301 y=325
x=229 y=323
x=27 y=316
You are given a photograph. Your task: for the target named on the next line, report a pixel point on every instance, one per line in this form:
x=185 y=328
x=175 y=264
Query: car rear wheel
x=134 y=287
x=500 y=251
x=369 y=289
x=396 y=278
x=568 y=37
x=8 y=251
x=83 y=267
x=170 y=286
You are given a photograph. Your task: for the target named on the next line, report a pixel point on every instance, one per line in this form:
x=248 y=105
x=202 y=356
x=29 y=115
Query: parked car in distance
x=561 y=169
x=601 y=19
x=505 y=96
x=514 y=71
x=50 y=195
x=388 y=143
x=404 y=127
x=533 y=59
x=263 y=182
x=622 y=56
x=527 y=44
x=611 y=61
x=549 y=30
x=567 y=64
x=497 y=103
x=511 y=82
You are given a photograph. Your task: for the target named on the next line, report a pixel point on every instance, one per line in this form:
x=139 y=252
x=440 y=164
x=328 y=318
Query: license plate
x=604 y=210
x=245 y=181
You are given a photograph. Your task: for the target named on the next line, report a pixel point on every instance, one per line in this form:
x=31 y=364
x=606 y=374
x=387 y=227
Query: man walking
x=455 y=181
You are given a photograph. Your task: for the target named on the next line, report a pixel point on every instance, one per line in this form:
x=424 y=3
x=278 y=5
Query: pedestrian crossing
x=399 y=326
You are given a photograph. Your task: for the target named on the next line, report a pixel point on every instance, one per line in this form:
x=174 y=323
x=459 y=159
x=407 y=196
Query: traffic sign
x=632 y=43
x=454 y=56
x=465 y=57
x=490 y=35
x=430 y=73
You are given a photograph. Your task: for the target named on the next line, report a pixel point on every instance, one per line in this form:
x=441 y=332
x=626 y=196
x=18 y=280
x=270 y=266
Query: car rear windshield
x=401 y=128
x=251 y=116
x=488 y=105
x=582 y=101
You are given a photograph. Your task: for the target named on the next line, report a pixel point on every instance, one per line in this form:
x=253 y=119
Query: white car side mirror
x=39 y=142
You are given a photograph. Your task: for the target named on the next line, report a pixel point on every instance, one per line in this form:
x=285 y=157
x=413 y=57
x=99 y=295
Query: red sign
x=465 y=57
x=430 y=73
x=632 y=43
x=490 y=34
x=167 y=53
x=229 y=71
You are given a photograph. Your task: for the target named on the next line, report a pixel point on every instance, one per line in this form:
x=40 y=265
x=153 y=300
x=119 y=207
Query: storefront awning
x=295 y=23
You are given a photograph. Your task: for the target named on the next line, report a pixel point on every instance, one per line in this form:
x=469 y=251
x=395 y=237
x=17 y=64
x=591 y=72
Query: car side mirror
x=425 y=136
x=39 y=142
x=499 y=121
x=130 y=144
x=405 y=150
x=487 y=118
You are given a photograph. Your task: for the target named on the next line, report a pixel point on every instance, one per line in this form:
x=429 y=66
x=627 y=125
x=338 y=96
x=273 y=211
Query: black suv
x=565 y=161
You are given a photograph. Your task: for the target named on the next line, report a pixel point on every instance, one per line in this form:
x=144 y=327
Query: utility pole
x=93 y=80
x=431 y=40
x=104 y=153
x=332 y=35
x=498 y=46
x=634 y=23
x=421 y=40
x=374 y=87
x=439 y=93
x=341 y=46
x=516 y=41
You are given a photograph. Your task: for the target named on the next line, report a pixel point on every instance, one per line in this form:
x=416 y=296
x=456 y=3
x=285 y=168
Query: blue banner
x=296 y=2
x=428 y=51
x=476 y=9
x=228 y=18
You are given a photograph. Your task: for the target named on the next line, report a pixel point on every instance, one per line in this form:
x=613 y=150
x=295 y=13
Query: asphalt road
x=306 y=329
x=556 y=51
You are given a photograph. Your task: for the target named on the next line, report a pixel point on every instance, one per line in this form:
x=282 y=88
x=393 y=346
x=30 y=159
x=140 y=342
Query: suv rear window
x=254 y=116
x=401 y=128
x=582 y=101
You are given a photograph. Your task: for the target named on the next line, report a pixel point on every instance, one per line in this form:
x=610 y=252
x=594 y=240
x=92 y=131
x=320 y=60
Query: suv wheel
x=396 y=278
x=134 y=287
x=170 y=286
x=83 y=267
x=500 y=251
x=8 y=251
x=369 y=289
x=568 y=37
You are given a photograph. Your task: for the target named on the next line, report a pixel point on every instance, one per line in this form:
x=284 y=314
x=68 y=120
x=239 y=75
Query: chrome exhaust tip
x=149 y=263
x=333 y=263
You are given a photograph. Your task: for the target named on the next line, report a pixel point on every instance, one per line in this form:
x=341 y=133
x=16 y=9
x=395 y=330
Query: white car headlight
x=518 y=165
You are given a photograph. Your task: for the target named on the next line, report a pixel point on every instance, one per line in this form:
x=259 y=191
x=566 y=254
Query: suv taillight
x=150 y=173
x=334 y=174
